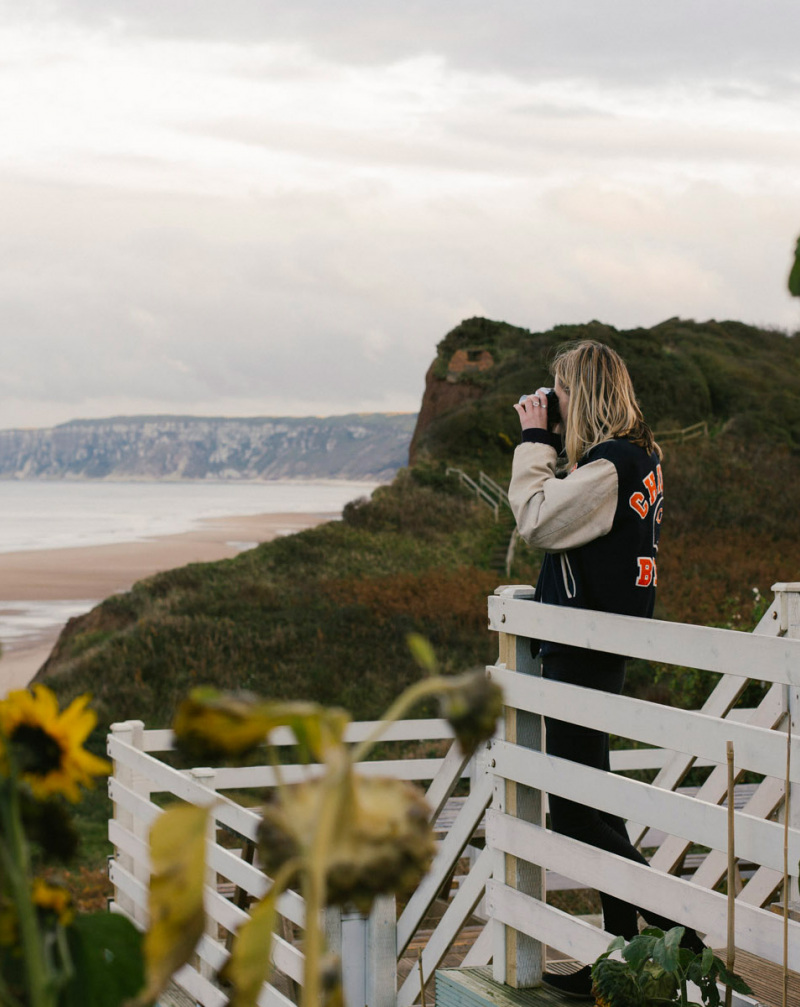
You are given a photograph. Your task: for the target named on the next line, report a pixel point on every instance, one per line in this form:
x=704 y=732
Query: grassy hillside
x=320 y=615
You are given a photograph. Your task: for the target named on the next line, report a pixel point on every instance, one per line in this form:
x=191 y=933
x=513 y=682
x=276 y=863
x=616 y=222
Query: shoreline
x=92 y=573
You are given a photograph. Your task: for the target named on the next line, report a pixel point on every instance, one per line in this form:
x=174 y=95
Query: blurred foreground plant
x=49 y=955
x=342 y=838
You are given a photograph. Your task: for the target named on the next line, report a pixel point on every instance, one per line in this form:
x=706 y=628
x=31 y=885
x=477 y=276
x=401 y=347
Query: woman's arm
x=558 y=514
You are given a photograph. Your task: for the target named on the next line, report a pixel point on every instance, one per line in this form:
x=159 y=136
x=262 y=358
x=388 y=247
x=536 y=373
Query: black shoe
x=577 y=985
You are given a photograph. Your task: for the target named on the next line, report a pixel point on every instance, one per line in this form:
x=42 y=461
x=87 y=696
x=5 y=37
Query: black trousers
x=589 y=747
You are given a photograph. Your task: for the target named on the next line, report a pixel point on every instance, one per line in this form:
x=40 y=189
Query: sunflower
x=47 y=745
x=53 y=899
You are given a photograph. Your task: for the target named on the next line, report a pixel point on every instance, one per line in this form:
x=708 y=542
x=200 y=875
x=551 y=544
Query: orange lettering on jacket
x=648 y=573
x=639 y=504
x=654 y=484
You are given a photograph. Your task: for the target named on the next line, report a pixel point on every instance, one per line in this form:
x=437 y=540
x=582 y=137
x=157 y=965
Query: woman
x=600 y=526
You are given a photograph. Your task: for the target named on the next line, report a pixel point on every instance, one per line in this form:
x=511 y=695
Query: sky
x=262 y=207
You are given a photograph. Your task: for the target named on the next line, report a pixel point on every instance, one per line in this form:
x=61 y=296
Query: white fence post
x=381 y=981
x=131 y=732
x=518 y=959
x=788 y=596
x=354 y=958
x=206 y=776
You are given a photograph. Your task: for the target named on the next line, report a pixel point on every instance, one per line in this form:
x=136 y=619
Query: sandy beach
x=94 y=572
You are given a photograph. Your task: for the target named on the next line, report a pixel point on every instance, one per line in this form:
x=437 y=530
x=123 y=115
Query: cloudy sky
x=278 y=207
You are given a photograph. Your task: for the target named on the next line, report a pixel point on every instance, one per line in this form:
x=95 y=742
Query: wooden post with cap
x=518 y=959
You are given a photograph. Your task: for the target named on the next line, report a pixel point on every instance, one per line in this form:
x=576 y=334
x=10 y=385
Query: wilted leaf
x=177 y=851
x=249 y=964
x=106 y=950
x=213 y=725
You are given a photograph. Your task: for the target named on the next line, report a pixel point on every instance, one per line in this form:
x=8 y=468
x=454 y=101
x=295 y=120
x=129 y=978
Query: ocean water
x=57 y=515
x=38 y=515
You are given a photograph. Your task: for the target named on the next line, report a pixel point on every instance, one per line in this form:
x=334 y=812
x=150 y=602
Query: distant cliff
x=371 y=446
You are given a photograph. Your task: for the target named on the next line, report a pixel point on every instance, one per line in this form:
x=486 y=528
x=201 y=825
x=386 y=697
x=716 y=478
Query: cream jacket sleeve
x=559 y=514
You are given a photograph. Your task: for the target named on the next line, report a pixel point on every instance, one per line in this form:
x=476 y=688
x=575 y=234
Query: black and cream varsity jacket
x=599 y=525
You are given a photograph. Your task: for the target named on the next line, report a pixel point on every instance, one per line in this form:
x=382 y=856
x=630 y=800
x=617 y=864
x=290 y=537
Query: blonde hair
x=602 y=402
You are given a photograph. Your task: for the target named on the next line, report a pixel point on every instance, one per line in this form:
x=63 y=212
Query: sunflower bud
x=216 y=725
x=382 y=841
x=472 y=705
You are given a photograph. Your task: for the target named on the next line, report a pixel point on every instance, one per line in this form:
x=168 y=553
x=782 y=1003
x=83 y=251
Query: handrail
x=479 y=491
x=488 y=483
x=686 y=434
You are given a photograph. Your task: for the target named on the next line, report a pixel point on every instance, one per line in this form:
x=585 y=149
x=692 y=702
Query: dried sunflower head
x=472 y=705
x=382 y=841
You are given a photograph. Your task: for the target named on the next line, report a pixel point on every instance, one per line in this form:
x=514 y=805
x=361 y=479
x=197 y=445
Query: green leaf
x=732 y=979
x=639 y=951
x=106 y=950
x=794 y=275
x=665 y=950
x=707 y=960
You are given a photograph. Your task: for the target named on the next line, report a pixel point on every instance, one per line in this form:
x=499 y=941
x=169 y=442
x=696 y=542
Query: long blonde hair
x=602 y=402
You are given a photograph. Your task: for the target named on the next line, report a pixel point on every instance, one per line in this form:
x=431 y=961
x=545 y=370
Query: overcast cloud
x=258 y=208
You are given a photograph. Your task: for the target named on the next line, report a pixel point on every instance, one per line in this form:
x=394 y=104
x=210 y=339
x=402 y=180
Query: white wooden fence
x=507 y=782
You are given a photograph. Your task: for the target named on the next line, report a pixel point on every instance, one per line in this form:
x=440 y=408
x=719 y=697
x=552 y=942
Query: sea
x=37 y=515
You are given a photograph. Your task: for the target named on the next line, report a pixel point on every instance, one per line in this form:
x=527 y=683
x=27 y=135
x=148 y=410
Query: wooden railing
x=525 y=848
x=505 y=805
x=686 y=434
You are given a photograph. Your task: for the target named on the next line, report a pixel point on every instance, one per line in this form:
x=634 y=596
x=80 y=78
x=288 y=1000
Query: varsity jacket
x=599 y=525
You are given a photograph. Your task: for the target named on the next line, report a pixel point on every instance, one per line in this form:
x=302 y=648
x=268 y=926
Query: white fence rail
x=510 y=778
x=523 y=921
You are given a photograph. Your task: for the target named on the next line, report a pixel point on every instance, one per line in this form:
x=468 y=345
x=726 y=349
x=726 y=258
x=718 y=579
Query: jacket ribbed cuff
x=536 y=436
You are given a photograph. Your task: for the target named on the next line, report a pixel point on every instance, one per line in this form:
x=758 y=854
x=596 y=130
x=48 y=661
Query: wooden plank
x=767 y=715
x=481 y=951
x=140 y=807
x=558 y=929
x=285 y=955
x=443 y=863
x=421 y=729
x=761 y=887
x=757 y=930
x=448 y=928
x=718 y=704
x=757 y=749
x=198 y=988
x=453 y=767
x=722 y=650
x=259 y=777
x=768 y=795
x=757 y=840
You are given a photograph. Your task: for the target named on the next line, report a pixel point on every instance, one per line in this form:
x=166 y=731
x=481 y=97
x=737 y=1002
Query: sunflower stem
x=404 y=702
x=38 y=976
x=334 y=792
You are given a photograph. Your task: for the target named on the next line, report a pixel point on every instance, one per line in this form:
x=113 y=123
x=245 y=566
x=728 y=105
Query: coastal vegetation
x=324 y=614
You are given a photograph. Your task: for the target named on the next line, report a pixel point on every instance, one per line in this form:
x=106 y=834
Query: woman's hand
x=532 y=411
